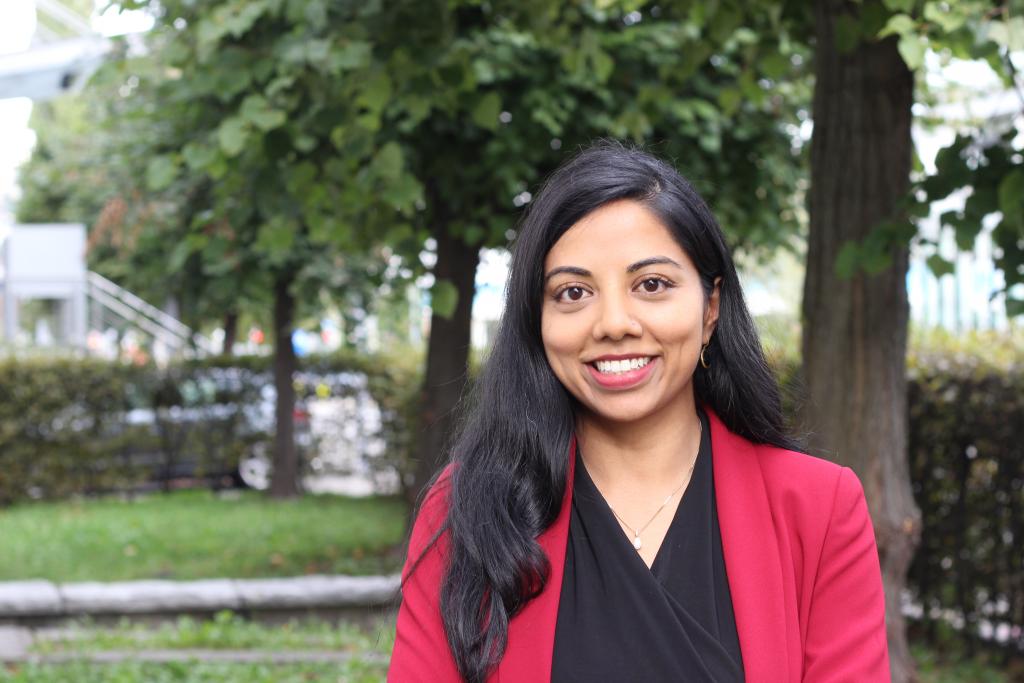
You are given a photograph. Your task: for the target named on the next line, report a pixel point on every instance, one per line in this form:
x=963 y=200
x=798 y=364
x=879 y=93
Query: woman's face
x=624 y=314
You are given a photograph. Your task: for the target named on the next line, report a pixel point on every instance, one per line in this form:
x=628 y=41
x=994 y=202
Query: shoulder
x=807 y=491
x=799 y=473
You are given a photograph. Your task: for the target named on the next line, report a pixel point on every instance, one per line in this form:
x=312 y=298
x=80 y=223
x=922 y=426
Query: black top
x=619 y=620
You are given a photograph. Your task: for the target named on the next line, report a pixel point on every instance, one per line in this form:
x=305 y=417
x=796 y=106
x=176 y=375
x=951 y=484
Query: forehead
x=613 y=236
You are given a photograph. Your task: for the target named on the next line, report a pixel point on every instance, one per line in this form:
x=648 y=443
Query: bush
x=70 y=426
x=967 y=471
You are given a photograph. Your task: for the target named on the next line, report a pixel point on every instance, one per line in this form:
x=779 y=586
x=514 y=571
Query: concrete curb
x=24 y=599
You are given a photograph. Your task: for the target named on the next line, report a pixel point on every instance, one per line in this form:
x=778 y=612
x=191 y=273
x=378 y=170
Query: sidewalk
x=24 y=603
x=25 y=600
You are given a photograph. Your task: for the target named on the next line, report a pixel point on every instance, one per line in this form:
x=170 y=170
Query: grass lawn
x=369 y=647
x=225 y=631
x=354 y=671
x=199 y=535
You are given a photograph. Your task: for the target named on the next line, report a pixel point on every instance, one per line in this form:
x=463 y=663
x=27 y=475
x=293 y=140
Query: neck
x=651 y=453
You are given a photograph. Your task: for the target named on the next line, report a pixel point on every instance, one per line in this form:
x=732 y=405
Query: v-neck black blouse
x=619 y=620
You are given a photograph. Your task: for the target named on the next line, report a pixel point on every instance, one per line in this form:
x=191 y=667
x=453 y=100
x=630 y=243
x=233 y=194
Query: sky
x=17 y=25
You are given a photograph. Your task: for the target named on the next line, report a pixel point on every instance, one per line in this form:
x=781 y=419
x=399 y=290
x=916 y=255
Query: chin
x=621 y=414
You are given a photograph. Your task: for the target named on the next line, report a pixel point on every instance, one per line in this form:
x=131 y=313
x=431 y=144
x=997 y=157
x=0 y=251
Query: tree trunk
x=230 y=333
x=447 y=360
x=855 y=329
x=284 y=477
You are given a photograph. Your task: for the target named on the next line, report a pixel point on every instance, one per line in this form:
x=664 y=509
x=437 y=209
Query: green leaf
x=486 y=110
x=160 y=173
x=847 y=33
x=1011 y=195
x=940 y=266
x=198 y=156
x=353 y=55
x=1007 y=34
x=258 y=111
x=376 y=93
x=774 y=65
x=948 y=19
x=444 y=297
x=388 y=162
x=848 y=260
x=905 y=6
x=729 y=100
x=402 y=193
x=233 y=134
x=912 y=48
x=276 y=237
x=898 y=24
x=1014 y=307
x=179 y=254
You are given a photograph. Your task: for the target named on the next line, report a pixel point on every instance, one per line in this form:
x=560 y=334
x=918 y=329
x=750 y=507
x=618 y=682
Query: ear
x=711 y=311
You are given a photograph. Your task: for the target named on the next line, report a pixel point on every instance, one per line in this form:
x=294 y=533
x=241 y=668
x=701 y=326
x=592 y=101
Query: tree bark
x=230 y=333
x=284 y=477
x=855 y=329
x=447 y=361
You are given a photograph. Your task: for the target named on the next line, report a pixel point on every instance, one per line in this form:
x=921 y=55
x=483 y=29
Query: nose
x=615 y=319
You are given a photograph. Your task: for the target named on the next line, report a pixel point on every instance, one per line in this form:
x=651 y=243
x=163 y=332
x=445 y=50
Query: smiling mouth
x=619 y=367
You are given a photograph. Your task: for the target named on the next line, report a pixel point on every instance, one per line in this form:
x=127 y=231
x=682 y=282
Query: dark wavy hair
x=511 y=456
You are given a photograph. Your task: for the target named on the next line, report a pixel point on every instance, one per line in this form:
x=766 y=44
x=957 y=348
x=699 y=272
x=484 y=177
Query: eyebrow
x=631 y=268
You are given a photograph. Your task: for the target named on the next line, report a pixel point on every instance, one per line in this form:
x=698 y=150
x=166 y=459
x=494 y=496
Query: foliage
x=188 y=535
x=79 y=426
x=987 y=157
x=967 y=468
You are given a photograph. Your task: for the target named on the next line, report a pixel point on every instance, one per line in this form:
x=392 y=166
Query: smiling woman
x=623 y=503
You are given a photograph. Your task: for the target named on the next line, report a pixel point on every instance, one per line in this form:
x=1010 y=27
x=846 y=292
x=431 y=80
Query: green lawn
x=354 y=671
x=199 y=535
x=369 y=647
x=225 y=631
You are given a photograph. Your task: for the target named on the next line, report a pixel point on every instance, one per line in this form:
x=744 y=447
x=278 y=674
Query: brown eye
x=651 y=285
x=574 y=293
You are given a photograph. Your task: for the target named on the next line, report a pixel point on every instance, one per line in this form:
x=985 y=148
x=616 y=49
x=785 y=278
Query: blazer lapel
x=751 y=552
x=531 y=634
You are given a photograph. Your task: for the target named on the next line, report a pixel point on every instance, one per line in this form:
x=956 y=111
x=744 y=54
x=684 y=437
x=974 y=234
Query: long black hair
x=511 y=458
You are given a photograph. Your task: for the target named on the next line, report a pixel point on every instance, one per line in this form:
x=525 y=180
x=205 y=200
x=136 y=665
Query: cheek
x=561 y=345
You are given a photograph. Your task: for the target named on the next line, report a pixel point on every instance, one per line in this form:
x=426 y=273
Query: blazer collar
x=751 y=551
x=752 y=563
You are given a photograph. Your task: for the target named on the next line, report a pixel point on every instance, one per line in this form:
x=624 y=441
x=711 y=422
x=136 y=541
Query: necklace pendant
x=637 y=543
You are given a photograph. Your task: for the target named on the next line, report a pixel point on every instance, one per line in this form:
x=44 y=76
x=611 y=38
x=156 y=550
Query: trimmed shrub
x=71 y=426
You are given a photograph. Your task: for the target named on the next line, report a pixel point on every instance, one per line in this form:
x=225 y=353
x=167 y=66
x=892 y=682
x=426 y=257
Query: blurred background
x=252 y=252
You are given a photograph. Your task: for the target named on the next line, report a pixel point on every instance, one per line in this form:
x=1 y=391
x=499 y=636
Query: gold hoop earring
x=703 y=363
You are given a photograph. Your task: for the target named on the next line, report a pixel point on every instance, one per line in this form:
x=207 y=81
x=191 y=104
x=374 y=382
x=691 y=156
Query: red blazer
x=800 y=555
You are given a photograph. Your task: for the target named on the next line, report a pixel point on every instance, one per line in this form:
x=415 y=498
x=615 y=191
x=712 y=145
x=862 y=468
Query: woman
x=623 y=503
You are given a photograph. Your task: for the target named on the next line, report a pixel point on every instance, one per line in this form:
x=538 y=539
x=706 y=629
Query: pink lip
x=623 y=380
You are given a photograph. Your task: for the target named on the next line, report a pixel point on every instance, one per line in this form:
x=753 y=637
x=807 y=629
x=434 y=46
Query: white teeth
x=620 y=366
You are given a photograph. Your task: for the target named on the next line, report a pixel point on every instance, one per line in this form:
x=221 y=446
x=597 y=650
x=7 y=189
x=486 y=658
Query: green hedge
x=72 y=426
x=966 y=445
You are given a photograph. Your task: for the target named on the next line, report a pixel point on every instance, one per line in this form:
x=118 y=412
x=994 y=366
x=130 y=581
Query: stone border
x=24 y=599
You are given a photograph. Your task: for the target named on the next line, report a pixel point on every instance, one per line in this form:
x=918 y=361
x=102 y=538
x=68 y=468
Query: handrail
x=122 y=294
x=151 y=319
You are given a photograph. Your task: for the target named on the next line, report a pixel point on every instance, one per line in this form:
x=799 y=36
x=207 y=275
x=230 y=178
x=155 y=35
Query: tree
x=247 y=157
x=861 y=205
x=498 y=92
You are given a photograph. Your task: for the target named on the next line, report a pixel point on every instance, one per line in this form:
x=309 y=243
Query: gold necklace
x=637 y=542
